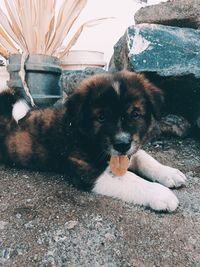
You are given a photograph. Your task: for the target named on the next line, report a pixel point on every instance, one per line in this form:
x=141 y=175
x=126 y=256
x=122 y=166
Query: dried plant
x=34 y=26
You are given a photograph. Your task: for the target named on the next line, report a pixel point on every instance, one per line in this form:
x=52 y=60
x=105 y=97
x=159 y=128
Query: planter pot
x=81 y=59
x=42 y=77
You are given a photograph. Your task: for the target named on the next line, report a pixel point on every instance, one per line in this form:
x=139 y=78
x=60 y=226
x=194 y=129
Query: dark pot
x=42 y=77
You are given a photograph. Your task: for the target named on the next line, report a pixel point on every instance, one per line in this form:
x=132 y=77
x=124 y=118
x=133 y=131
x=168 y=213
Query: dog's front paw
x=170 y=177
x=162 y=199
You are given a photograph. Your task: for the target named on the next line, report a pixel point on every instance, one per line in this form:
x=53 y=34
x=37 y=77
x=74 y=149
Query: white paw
x=132 y=188
x=170 y=177
x=161 y=198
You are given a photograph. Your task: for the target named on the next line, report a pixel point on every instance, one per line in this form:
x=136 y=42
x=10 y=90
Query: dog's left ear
x=155 y=97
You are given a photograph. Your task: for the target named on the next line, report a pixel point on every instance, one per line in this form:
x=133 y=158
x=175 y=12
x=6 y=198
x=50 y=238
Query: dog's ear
x=155 y=98
x=74 y=106
x=77 y=110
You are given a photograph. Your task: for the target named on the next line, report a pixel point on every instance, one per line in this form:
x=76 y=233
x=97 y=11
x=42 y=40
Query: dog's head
x=115 y=111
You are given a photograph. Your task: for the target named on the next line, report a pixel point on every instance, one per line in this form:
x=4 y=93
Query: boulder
x=169 y=57
x=71 y=78
x=181 y=13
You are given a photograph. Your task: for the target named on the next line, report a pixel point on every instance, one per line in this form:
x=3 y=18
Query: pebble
x=71 y=224
x=6 y=253
x=29 y=225
x=18 y=215
x=3 y=224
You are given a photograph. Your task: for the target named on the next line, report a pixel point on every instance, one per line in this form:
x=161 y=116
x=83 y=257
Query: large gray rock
x=163 y=49
x=169 y=57
x=72 y=78
x=182 y=13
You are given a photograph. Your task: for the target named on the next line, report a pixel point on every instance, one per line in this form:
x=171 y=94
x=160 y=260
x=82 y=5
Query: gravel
x=45 y=222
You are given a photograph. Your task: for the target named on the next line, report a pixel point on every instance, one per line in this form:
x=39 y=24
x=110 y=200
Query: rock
x=181 y=13
x=71 y=79
x=169 y=51
x=71 y=224
x=119 y=59
x=170 y=58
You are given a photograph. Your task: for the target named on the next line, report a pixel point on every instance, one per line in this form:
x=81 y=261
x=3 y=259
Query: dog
x=108 y=114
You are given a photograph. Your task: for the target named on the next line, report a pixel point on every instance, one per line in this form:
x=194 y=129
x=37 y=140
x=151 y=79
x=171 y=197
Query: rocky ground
x=44 y=222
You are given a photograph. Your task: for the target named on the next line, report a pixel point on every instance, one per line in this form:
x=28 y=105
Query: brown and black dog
x=109 y=114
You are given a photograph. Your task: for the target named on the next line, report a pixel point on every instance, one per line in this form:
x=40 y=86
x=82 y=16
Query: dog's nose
x=122 y=147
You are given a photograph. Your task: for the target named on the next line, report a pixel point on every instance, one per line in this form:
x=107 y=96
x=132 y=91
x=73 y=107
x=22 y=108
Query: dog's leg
x=132 y=188
x=148 y=167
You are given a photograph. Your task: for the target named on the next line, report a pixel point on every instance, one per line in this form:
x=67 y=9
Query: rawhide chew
x=119 y=165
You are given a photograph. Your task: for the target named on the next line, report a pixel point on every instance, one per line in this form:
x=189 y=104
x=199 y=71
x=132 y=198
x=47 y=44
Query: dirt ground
x=44 y=222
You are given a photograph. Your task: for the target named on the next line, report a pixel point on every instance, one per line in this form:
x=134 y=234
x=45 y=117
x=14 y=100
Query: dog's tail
x=12 y=105
x=7 y=99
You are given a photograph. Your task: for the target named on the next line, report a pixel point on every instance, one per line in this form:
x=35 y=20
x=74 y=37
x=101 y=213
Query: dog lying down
x=108 y=115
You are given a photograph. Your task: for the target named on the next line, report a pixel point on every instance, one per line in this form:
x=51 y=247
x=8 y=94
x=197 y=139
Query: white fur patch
x=116 y=87
x=150 y=168
x=132 y=188
x=20 y=109
x=122 y=136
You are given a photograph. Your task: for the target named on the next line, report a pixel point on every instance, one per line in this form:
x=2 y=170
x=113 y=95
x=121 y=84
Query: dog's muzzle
x=122 y=142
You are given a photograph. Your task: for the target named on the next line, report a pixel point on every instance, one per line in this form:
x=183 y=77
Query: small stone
x=18 y=215
x=6 y=253
x=25 y=176
x=29 y=225
x=40 y=241
x=71 y=224
x=3 y=224
x=109 y=237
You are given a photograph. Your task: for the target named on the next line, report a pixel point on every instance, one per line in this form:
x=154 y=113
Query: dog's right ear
x=77 y=107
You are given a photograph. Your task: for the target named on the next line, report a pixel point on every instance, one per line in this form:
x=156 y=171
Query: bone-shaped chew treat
x=119 y=165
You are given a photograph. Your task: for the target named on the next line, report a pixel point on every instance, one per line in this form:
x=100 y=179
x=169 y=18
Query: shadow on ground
x=44 y=222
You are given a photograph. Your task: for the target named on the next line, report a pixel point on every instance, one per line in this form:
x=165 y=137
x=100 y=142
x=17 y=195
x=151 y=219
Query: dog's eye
x=135 y=115
x=101 y=118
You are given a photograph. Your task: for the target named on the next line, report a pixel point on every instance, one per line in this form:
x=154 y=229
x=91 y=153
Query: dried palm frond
x=75 y=37
x=11 y=8
x=68 y=13
x=35 y=26
x=4 y=52
x=5 y=24
x=32 y=25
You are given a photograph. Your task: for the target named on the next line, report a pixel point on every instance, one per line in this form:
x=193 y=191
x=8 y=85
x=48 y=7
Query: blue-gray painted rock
x=169 y=57
x=164 y=49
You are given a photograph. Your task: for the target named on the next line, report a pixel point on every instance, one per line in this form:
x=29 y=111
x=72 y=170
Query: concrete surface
x=44 y=222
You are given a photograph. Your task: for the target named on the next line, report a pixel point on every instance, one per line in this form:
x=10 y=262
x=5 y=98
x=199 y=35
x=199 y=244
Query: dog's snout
x=122 y=142
x=122 y=147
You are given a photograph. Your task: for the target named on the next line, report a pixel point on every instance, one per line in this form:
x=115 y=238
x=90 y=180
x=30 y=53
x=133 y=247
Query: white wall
x=104 y=36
